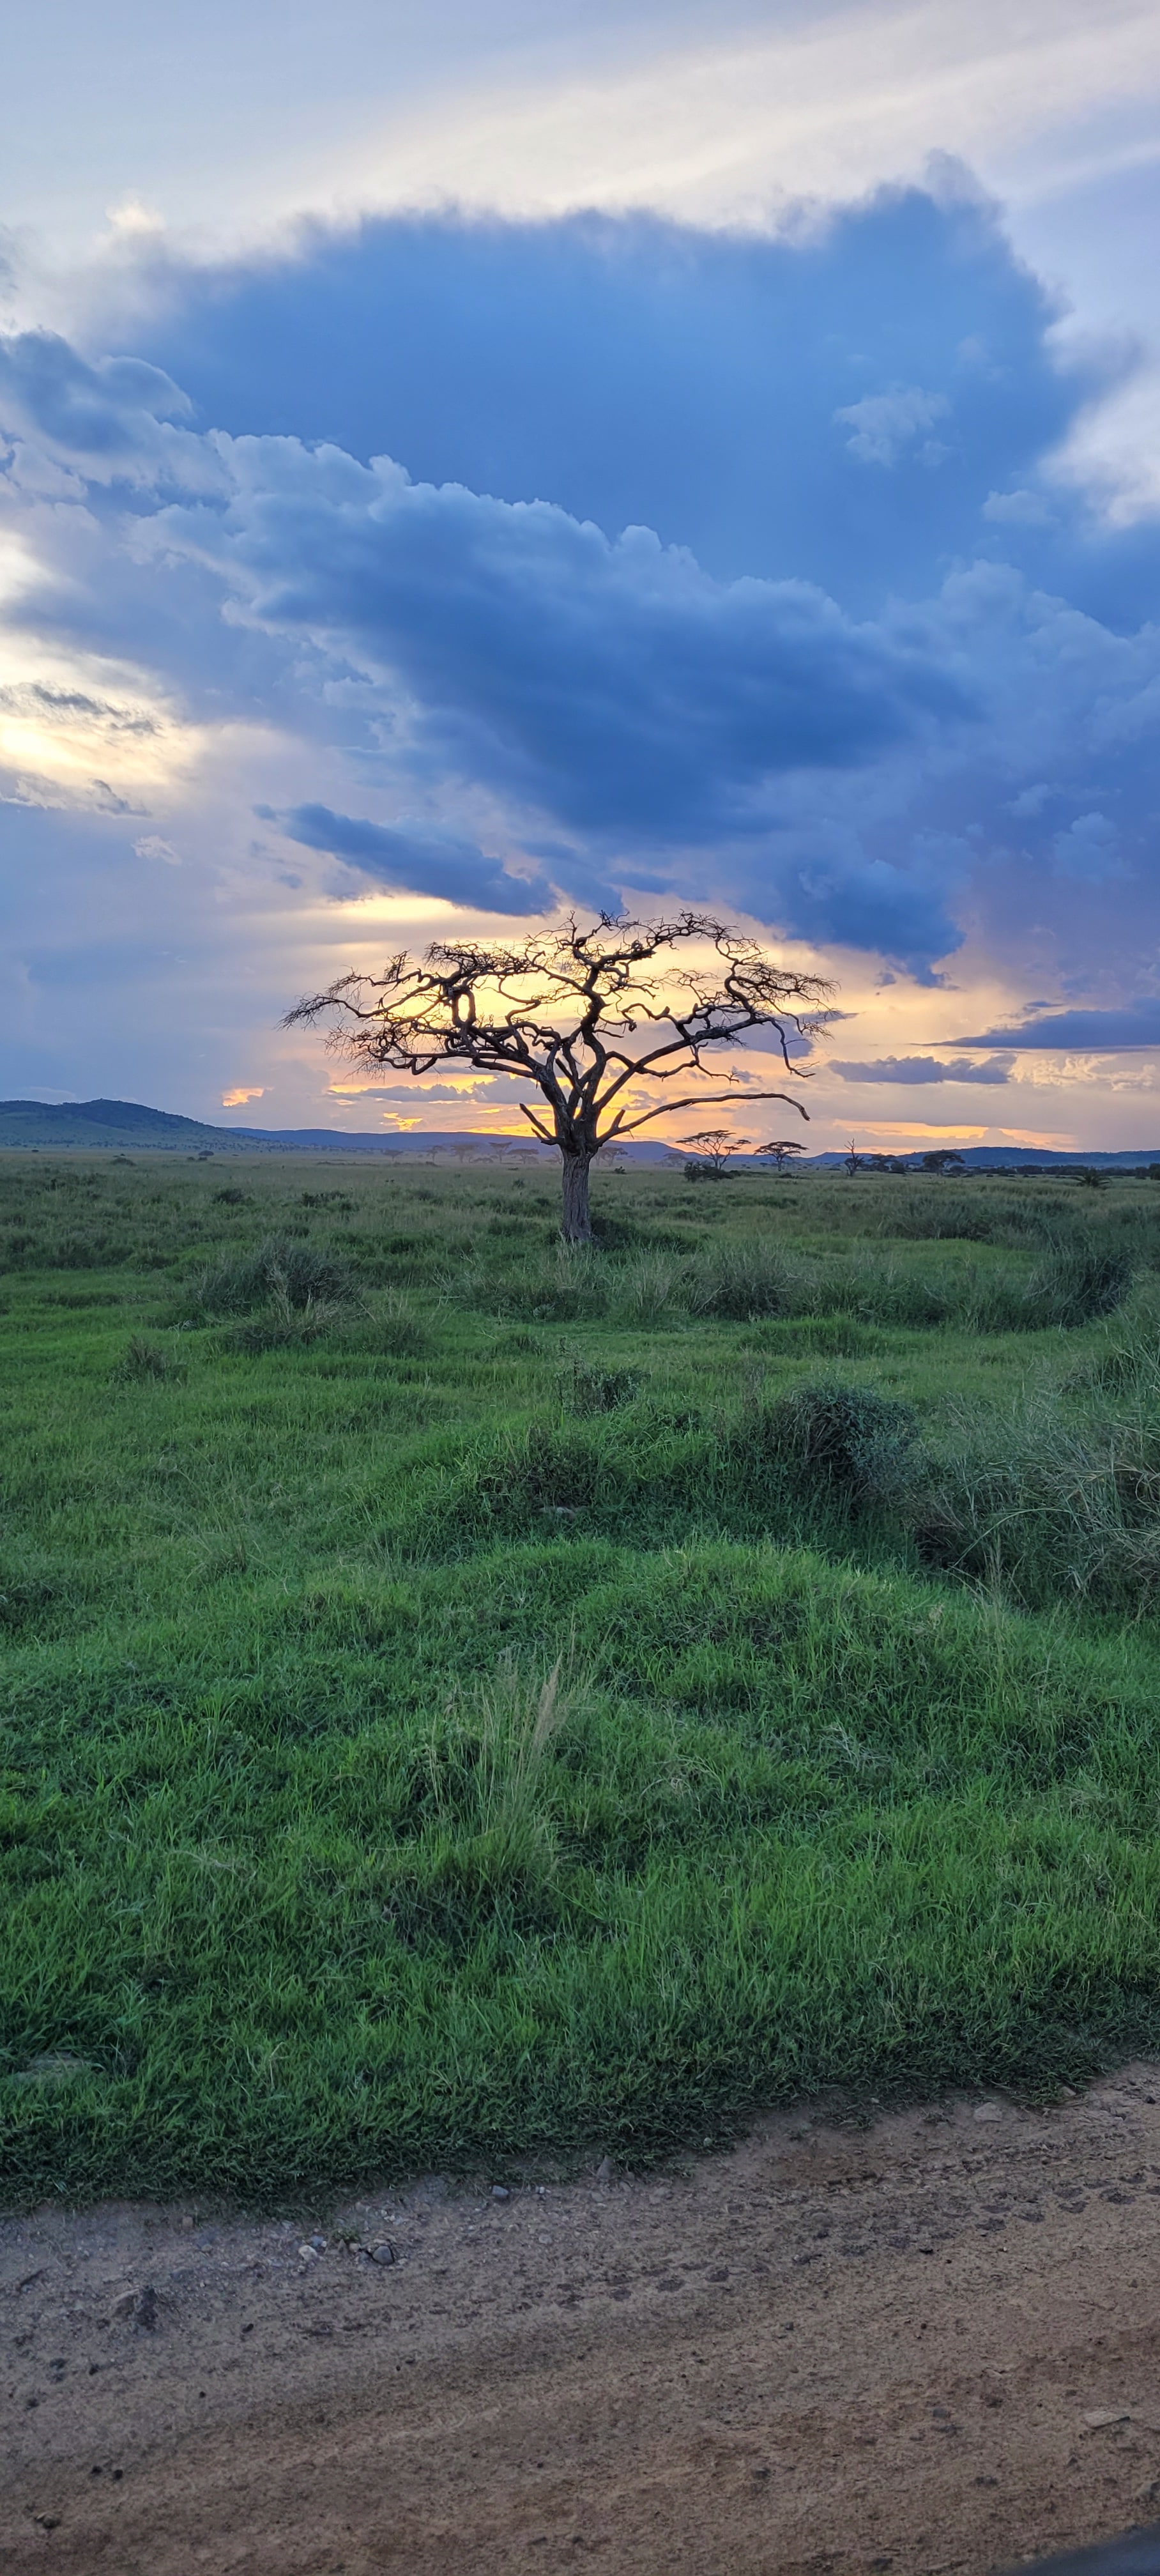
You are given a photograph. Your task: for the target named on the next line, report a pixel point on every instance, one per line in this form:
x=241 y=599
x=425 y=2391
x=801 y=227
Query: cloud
x=645 y=373
x=620 y=606
x=613 y=683
x=886 y=424
x=1094 y=1032
x=152 y=846
x=416 y=858
x=113 y=415
x=237 y=1099
x=924 y=1068
x=1089 y=850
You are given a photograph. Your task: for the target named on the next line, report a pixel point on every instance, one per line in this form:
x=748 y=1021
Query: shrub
x=859 y=1443
x=297 y=1273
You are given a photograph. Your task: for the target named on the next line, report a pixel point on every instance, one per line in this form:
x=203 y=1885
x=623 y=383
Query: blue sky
x=596 y=458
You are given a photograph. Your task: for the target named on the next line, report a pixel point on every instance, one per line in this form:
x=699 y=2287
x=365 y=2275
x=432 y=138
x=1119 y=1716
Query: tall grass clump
x=744 y=1282
x=1079 y=1282
x=490 y=1844
x=1048 y=1510
x=851 y=1440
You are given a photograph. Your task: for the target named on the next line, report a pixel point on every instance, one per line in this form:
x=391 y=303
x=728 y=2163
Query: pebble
x=308 y=2253
x=383 y=2252
x=989 y=2111
x=604 y=2170
x=319 y=2244
x=499 y=2191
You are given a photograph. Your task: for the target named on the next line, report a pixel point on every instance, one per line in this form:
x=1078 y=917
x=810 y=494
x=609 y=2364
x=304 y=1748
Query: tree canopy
x=587 y=1017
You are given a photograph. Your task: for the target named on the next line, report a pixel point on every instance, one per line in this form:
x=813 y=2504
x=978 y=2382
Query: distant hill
x=127 y=1126
x=116 y=1123
x=124 y=1126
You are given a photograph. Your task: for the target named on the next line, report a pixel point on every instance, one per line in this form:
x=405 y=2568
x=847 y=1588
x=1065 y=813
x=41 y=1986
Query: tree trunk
x=576 y=1224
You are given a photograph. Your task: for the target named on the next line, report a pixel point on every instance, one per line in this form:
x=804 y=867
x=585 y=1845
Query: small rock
x=989 y=2111
x=499 y=2191
x=187 y=2226
x=605 y=2169
x=383 y=2252
x=308 y=2253
x=1067 y=2093
x=125 y=2305
x=1099 y=2417
x=318 y=2244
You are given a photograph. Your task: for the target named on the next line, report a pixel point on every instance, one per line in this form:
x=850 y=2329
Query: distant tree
x=714 y=1148
x=586 y=1017
x=780 y=1153
x=943 y=1159
x=852 y=1159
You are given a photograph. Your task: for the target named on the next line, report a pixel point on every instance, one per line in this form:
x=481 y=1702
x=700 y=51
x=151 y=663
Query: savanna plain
x=581 y=1869
x=479 y=1707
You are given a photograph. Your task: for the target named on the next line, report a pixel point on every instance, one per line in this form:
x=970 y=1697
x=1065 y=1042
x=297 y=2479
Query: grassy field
x=465 y=1700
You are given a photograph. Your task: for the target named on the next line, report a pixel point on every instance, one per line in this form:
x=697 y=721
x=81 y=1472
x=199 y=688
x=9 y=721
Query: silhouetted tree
x=586 y=1017
x=714 y=1147
x=943 y=1159
x=852 y=1159
x=780 y=1153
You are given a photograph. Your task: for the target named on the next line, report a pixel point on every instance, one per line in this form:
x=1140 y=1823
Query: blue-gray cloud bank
x=416 y=861
x=661 y=560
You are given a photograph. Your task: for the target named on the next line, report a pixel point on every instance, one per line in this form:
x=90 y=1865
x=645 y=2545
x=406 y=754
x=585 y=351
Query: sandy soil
x=932 y=2345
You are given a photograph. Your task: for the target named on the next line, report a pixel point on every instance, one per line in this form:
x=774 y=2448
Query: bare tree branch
x=579 y=1015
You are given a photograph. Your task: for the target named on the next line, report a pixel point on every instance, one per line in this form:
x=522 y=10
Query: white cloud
x=151 y=846
x=885 y=424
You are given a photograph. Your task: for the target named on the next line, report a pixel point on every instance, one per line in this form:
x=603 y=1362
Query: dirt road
x=930 y=2346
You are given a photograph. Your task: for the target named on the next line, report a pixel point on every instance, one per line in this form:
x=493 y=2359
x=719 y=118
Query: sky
x=460 y=465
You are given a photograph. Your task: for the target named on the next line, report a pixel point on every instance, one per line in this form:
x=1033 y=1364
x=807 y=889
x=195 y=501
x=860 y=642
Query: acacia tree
x=584 y=1017
x=779 y=1152
x=714 y=1146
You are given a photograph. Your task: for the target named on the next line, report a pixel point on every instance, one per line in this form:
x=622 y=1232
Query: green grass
x=464 y=1700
